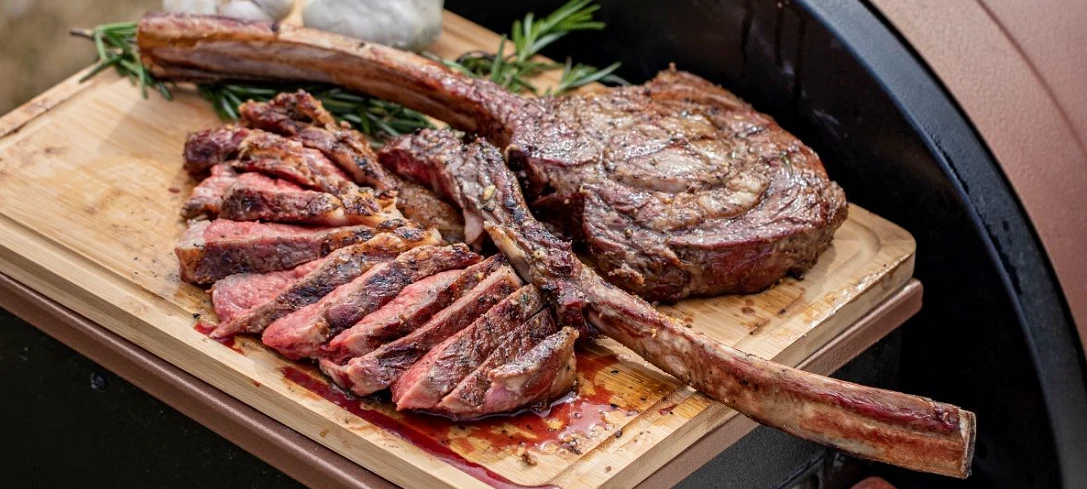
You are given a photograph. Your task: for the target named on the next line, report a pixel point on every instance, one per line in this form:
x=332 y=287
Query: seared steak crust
x=338 y=268
x=378 y=369
x=410 y=310
x=256 y=150
x=546 y=372
x=439 y=371
x=466 y=399
x=211 y=250
x=302 y=333
x=302 y=117
x=255 y=197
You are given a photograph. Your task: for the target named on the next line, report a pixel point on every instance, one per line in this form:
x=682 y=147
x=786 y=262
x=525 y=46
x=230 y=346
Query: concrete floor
x=36 y=51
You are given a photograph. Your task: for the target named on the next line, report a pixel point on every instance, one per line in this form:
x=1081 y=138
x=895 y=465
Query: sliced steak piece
x=677 y=186
x=412 y=308
x=235 y=295
x=338 y=268
x=255 y=197
x=207 y=197
x=466 y=399
x=445 y=366
x=212 y=250
x=546 y=372
x=256 y=150
x=301 y=335
x=301 y=117
x=378 y=369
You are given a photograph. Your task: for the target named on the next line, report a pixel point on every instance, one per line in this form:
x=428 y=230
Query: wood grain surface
x=90 y=188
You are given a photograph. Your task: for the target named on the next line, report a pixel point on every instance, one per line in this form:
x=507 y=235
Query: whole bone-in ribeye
x=892 y=427
x=677 y=187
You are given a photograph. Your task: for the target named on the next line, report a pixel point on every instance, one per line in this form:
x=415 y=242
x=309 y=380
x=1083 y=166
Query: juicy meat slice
x=301 y=117
x=212 y=250
x=909 y=431
x=466 y=399
x=676 y=187
x=207 y=197
x=255 y=150
x=378 y=369
x=546 y=372
x=320 y=277
x=439 y=371
x=415 y=305
x=302 y=333
x=237 y=294
x=423 y=206
x=255 y=197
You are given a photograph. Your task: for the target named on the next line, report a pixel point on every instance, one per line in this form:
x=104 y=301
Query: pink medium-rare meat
x=439 y=371
x=255 y=150
x=237 y=294
x=378 y=369
x=407 y=311
x=548 y=371
x=207 y=197
x=338 y=268
x=466 y=399
x=300 y=116
x=904 y=430
x=415 y=305
x=255 y=197
x=301 y=335
x=212 y=250
x=676 y=187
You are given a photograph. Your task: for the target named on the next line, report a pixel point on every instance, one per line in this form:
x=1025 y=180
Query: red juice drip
x=424 y=441
x=206 y=329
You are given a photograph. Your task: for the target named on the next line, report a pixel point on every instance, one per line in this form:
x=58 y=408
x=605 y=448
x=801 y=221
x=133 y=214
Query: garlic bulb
x=265 y=10
x=404 y=24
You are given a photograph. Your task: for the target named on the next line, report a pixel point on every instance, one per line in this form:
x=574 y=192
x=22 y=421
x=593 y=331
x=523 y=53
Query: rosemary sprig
x=378 y=119
x=115 y=45
x=529 y=36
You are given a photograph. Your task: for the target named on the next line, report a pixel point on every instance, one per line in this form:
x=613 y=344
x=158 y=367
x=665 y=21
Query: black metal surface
x=67 y=422
x=994 y=335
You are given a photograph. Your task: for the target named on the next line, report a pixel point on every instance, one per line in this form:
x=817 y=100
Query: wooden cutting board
x=90 y=188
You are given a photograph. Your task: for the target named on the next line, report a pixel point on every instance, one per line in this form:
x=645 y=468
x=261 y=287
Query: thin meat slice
x=254 y=197
x=411 y=309
x=466 y=399
x=207 y=197
x=255 y=150
x=212 y=250
x=378 y=369
x=340 y=267
x=544 y=373
x=301 y=117
x=441 y=369
x=237 y=294
x=301 y=335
